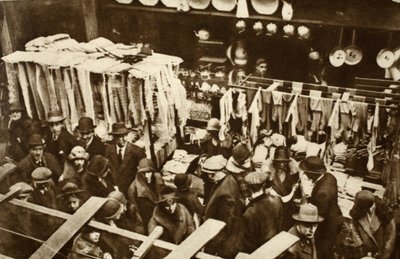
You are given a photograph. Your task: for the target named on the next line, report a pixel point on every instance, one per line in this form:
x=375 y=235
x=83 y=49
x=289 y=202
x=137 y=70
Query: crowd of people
x=256 y=199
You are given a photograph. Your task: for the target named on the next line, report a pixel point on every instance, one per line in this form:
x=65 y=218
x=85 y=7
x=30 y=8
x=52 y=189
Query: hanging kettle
x=148 y=2
x=337 y=56
x=386 y=57
x=354 y=54
x=224 y=5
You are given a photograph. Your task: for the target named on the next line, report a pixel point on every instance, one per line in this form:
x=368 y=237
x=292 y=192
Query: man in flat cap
x=124 y=157
x=60 y=141
x=226 y=204
x=89 y=140
x=37 y=158
x=261 y=68
x=44 y=191
x=325 y=196
x=263 y=217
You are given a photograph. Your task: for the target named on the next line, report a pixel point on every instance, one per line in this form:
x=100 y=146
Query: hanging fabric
x=70 y=97
x=24 y=84
x=293 y=115
x=255 y=109
x=31 y=72
x=277 y=109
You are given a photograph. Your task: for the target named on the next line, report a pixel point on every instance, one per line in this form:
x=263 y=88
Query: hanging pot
x=124 y=1
x=337 y=56
x=394 y=72
x=148 y=2
x=170 y=3
x=385 y=57
x=354 y=54
x=266 y=7
x=199 y=4
x=242 y=10
x=224 y=5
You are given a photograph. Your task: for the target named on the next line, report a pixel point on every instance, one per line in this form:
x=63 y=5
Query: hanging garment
x=41 y=87
x=12 y=80
x=86 y=90
x=303 y=109
x=334 y=121
x=161 y=122
x=226 y=109
x=25 y=89
x=327 y=106
x=135 y=100
x=80 y=108
x=293 y=116
x=255 y=109
x=277 y=109
x=51 y=89
x=63 y=99
x=69 y=91
x=316 y=109
x=31 y=71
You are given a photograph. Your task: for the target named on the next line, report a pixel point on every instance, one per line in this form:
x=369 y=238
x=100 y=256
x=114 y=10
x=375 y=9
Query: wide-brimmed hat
x=199 y=4
x=256 y=177
x=182 y=181
x=97 y=165
x=55 y=116
x=308 y=213
x=85 y=124
x=267 y=7
x=167 y=195
x=224 y=5
x=313 y=164
x=119 y=128
x=35 y=140
x=16 y=107
x=109 y=209
x=78 y=152
x=146 y=165
x=213 y=164
x=281 y=154
x=41 y=175
x=69 y=188
x=363 y=201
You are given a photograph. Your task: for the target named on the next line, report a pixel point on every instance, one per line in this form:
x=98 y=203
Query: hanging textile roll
x=24 y=84
x=12 y=81
x=77 y=93
x=31 y=71
x=41 y=87
x=69 y=91
x=136 y=103
x=63 y=99
x=50 y=89
x=86 y=90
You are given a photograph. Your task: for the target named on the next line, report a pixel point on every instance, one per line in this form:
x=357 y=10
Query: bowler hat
x=25 y=189
x=308 y=213
x=41 y=175
x=167 y=194
x=69 y=188
x=35 y=140
x=213 y=125
x=363 y=200
x=182 y=181
x=313 y=164
x=119 y=128
x=55 y=116
x=16 y=107
x=85 y=124
x=240 y=153
x=78 y=152
x=281 y=154
x=255 y=178
x=97 y=165
x=146 y=165
x=213 y=164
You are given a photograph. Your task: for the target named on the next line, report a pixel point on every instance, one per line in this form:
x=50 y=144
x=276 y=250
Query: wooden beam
x=69 y=229
x=197 y=239
x=275 y=246
x=5 y=257
x=144 y=248
x=11 y=194
x=89 y=13
x=102 y=227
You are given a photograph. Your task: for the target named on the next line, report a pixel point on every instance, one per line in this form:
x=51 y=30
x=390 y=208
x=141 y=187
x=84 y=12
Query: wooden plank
x=197 y=239
x=63 y=234
x=11 y=194
x=147 y=244
x=5 y=257
x=242 y=256
x=275 y=246
x=6 y=170
x=102 y=227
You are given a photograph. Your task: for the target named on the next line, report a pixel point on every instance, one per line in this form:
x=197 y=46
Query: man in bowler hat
x=92 y=143
x=325 y=196
x=124 y=157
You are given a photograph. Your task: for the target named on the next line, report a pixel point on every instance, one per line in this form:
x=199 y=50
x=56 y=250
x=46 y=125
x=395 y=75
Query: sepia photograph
x=209 y=129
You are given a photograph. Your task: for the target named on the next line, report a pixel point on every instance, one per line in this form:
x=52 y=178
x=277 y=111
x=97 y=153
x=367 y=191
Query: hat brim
x=56 y=119
x=307 y=170
x=146 y=169
x=166 y=199
x=85 y=130
x=121 y=132
x=281 y=160
x=70 y=192
x=297 y=218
